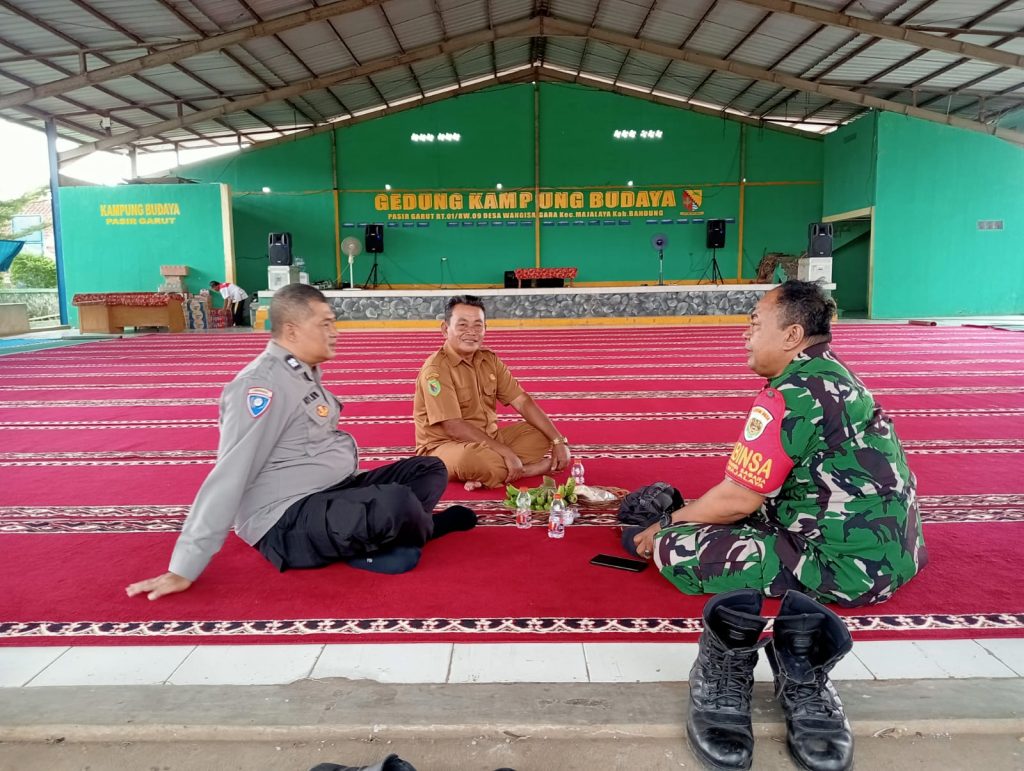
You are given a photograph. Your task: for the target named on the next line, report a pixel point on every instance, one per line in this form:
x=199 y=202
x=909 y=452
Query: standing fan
x=352 y=247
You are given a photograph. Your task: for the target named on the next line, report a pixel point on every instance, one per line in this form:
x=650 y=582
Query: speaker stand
x=374 y=280
x=716 y=272
x=661 y=267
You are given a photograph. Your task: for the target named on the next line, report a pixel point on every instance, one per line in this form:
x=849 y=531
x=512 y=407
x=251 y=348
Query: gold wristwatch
x=560 y=440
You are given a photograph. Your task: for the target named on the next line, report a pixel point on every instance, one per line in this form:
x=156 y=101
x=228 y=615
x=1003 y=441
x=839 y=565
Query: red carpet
x=102 y=448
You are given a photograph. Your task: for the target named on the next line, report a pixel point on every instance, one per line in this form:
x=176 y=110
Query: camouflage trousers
x=711 y=559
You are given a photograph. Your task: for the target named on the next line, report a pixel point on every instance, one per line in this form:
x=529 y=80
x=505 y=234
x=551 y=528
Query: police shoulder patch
x=257 y=400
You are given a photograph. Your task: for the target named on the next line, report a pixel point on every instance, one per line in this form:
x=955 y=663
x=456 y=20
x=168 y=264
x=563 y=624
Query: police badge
x=257 y=400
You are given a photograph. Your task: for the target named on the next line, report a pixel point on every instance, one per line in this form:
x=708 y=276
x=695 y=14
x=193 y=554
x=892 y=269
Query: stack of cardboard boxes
x=200 y=313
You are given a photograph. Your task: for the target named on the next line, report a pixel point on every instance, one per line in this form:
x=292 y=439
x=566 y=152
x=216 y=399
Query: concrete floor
x=922 y=724
x=950 y=753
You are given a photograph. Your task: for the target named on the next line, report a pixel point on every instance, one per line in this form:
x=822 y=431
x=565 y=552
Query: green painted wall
x=850 y=163
x=107 y=249
x=578 y=153
x=300 y=201
x=935 y=183
x=496 y=146
x=851 y=267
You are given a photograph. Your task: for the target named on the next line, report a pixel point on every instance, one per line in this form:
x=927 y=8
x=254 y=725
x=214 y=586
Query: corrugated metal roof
x=57 y=33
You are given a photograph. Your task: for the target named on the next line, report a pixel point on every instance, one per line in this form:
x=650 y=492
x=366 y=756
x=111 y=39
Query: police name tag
x=257 y=400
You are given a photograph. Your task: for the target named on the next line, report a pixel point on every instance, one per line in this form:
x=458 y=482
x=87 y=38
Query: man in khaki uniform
x=454 y=409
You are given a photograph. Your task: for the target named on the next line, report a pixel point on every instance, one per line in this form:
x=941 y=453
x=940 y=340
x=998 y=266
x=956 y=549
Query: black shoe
x=721 y=681
x=390 y=763
x=808 y=640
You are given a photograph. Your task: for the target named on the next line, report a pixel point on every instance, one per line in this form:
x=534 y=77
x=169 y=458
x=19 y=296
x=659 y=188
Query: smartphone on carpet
x=622 y=563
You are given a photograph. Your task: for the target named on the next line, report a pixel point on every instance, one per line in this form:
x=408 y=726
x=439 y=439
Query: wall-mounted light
x=449 y=136
x=499 y=186
x=266 y=189
x=629 y=183
x=422 y=137
x=644 y=133
x=387 y=187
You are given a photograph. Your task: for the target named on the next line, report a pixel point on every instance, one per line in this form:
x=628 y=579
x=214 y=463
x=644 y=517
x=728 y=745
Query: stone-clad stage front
x=709 y=303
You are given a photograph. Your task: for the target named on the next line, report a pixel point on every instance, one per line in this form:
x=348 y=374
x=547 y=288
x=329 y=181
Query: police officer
x=454 y=409
x=835 y=512
x=287 y=479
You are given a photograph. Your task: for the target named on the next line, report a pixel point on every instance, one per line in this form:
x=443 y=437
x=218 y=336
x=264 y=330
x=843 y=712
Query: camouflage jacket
x=836 y=481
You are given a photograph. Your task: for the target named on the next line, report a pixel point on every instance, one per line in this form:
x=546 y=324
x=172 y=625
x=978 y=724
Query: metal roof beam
x=522 y=28
x=891 y=32
x=963 y=31
x=918 y=54
x=171 y=55
x=847 y=57
x=922 y=90
x=557 y=27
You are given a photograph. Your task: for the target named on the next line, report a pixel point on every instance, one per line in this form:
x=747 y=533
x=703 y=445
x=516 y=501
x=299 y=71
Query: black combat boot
x=722 y=679
x=390 y=763
x=807 y=641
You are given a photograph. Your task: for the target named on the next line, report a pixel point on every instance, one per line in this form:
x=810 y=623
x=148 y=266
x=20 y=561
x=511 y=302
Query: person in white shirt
x=234 y=299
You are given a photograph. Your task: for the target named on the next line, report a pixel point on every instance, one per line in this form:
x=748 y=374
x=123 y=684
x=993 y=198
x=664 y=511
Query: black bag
x=645 y=506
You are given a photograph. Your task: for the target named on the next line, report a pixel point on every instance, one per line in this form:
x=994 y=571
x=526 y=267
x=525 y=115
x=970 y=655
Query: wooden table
x=113 y=311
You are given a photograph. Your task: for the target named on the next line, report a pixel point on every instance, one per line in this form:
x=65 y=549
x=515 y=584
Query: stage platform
x=689 y=303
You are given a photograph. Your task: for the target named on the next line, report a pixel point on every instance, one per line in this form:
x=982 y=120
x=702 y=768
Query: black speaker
x=716 y=234
x=279 y=248
x=819 y=239
x=374 y=239
x=511 y=282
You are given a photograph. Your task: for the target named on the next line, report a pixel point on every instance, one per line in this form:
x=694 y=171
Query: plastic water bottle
x=572 y=513
x=577 y=472
x=556 y=519
x=524 y=516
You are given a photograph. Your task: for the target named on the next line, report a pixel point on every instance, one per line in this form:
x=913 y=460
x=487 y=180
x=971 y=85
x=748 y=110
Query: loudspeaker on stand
x=374 y=239
x=716 y=234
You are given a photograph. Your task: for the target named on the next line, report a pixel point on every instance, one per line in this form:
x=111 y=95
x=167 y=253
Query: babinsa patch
x=434 y=386
x=757 y=421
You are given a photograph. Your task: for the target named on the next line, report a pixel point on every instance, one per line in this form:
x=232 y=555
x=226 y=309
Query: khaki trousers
x=476 y=462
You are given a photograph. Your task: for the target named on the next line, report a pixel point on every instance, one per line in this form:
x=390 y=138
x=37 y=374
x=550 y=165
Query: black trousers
x=239 y=316
x=368 y=513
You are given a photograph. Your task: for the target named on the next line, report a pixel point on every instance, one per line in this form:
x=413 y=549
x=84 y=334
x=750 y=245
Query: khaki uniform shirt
x=449 y=388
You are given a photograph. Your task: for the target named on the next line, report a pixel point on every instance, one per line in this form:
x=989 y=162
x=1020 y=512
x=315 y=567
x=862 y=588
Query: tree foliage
x=33 y=271
x=11 y=207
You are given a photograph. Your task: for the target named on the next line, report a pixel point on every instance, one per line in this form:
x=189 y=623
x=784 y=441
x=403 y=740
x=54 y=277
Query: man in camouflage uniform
x=819 y=464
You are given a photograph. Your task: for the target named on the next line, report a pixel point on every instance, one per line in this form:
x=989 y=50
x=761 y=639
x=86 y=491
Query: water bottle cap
x=523 y=490
x=558 y=496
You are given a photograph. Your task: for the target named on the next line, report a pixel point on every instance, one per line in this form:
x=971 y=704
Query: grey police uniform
x=280 y=449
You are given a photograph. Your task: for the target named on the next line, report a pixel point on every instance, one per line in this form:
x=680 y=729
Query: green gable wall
x=577 y=152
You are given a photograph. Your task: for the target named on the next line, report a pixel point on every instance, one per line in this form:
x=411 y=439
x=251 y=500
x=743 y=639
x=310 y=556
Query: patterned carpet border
x=340 y=627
